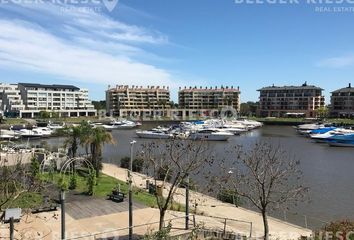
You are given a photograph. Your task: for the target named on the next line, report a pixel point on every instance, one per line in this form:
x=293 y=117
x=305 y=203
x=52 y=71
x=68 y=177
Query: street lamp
x=130 y=194
x=62 y=203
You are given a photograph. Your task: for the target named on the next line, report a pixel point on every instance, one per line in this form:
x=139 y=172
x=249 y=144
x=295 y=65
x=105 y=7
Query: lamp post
x=187 y=202
x=130 y=194
x=62 y=203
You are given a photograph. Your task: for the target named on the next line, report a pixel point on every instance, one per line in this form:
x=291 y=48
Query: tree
x=73 y=140
x=322 y=112
x=96 y=140
x=91 y=182
x=138 y=164
x=178 y=159
x=266 y=176
x=17 y=179
x=248 y=108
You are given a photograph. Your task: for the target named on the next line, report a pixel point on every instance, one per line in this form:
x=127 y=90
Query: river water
x=327 y=171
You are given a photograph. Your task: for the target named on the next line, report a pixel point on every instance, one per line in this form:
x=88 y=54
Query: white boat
x=322 y=138
x=210 y=135
x=8 y=134
x=46 y=132
x=55 y=126
x=251 y=124
x=27 y=133
x=125 y=124
x=154 y=134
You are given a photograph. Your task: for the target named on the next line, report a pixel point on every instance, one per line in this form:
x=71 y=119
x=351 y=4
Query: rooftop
x=303 y=87
x=53 y=86
x=211 y=89
x=344 y=90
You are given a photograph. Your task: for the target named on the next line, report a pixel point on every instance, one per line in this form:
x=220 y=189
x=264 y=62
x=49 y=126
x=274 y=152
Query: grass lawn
x=105 y=185
x=25 y=200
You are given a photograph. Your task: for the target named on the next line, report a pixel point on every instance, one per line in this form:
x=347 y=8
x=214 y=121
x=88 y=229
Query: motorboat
x=346 y=140
x=154 y=134
x=305 y=129
x=46 y=132
x=27 y=133
x=210 y=135
x=55 y=126
x=322 y=137
x=125 y=124
x=8 y=134
x=251 y=124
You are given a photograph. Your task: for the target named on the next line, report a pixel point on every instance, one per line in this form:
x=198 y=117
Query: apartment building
x=208 y=101
x=342 y=102
x=290 y=101
x=150 y=101
x=27 y=100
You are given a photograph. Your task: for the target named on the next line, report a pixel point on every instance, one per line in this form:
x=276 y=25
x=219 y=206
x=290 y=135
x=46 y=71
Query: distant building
x=342 y=102
x=290 y=101
x=205 y=100
x=149 y=101
x=27 y=100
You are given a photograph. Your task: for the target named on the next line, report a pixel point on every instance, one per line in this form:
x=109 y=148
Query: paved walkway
x=213 y=207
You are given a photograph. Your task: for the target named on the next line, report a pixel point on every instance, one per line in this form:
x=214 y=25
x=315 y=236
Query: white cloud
x=84 y=46
x=337 y=62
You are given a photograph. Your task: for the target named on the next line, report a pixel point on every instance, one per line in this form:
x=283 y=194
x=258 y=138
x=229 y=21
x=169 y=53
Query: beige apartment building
x=150 y=101
x=290 y=101
x=209 y=101
x=342 y=102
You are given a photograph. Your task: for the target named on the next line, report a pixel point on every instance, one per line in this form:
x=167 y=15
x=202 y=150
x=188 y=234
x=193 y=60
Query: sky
x=177 y=43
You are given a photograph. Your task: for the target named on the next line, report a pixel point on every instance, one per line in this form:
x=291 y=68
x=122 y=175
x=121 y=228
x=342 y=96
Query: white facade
x=28 y=100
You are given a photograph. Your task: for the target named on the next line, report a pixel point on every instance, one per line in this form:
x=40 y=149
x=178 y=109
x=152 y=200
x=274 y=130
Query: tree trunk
x=162 y=219
x=265 y=224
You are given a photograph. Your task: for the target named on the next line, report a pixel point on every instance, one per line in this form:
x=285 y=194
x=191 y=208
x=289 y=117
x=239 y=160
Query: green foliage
x=35 y=168
x=25 y=200
x=99 y=104
x=73 y=181
x=229 y=196
x=162 y=172
x=138 y=164
x=63 y=183
x=91 y=182
x=163 y=234
x=44 y=114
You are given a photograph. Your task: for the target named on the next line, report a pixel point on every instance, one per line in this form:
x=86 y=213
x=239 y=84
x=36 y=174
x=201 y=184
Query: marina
x=327 y=171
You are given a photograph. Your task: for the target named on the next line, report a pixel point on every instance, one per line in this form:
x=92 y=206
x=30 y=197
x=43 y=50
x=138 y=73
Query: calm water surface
x=328 y=171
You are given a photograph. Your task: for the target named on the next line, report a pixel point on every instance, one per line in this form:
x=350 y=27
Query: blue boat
x=341 y=140
x=322 y=130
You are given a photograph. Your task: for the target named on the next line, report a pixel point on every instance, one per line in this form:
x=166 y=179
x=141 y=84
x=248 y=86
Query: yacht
x=322 y=137
x=46 y=132
x=125 y=124
x=154 y=134
x=27 y=133
x=8 y=134
x=210 y=135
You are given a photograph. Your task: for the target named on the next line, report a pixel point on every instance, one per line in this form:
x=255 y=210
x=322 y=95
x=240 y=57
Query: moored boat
x=154 y=134
x=346 y=140
x=210 y=135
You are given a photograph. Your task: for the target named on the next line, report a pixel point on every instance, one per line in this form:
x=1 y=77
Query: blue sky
x=177 y=43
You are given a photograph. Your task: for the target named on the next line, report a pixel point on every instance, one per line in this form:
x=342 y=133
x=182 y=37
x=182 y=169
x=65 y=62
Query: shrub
x=229 y=196
x=138 y=164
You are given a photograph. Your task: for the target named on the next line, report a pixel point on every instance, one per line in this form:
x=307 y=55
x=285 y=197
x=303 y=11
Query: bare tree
x=170 y=163
x=266 y=176
x=16 y=178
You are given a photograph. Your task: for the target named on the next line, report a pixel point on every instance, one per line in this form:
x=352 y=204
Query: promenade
x=212 y=207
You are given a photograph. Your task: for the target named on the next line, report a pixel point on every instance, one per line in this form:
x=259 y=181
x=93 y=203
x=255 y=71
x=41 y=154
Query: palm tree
x=96 y=140
x=73 y=140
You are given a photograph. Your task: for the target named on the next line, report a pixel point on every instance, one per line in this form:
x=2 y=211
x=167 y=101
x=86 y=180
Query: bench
x=116 y=196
